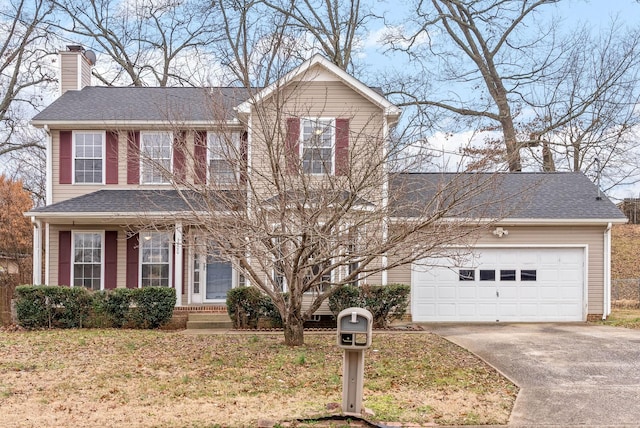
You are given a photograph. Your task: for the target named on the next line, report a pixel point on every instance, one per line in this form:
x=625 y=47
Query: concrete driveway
x=568 y=374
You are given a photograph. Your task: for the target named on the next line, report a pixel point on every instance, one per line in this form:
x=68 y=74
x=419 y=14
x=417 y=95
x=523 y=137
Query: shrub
x=345 y=297
x=44 y=306
x=243 y=306
x=31 y=307
x=269 y=311
x=385 y=302
x=153 y=306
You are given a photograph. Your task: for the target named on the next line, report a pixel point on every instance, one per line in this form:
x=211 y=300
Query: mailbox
x=355 y=328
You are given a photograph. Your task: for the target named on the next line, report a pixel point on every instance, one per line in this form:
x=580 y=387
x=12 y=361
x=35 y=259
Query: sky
x=595 y=13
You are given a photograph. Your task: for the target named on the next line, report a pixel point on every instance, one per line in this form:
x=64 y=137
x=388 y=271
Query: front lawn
x=150 y=378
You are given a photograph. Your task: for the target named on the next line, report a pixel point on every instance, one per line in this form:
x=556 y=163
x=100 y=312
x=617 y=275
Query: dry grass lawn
x=625 y=251
x=629 y=318
x=89 y=378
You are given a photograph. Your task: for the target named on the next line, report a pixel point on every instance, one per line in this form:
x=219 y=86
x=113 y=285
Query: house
x=114 y=216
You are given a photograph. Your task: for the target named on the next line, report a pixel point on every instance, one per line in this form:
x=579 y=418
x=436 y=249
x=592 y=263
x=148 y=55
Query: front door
x=219 y=278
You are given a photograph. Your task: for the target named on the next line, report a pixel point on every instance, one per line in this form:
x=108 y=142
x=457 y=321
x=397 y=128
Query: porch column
x=177 y=248
x=37 y=251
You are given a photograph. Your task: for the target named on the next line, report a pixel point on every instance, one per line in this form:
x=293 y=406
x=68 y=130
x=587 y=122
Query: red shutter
x=179 y=146
x=132 y=261
x=200 y=155
x=133 y=157
x=66 y=153
x=112 y=158
x=292 y=145
x=342 y=147
x=244 y=159
x=110 y=259
x=64 y=257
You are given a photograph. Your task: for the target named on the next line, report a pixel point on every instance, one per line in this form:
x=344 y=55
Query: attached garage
x=507 y=284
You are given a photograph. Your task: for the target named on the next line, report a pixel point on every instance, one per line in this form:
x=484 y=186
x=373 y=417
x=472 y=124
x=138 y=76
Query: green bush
x=246 y=306
x=153 y=306
x=64 y=307
x=43 y=306
x=243 y=306
x=385 y=302
x=345 y=297
x=32 y=307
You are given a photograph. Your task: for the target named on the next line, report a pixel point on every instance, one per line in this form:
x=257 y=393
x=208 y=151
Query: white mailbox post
x=354 y=336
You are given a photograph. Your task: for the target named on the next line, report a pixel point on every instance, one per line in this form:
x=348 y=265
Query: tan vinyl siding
x=53 y=254
x=68 y=71
x=62 y=192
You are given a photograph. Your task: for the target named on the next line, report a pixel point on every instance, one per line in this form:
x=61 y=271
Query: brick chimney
x=75 y=68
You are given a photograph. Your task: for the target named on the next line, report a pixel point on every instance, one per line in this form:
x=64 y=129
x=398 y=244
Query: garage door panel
x=556 y=292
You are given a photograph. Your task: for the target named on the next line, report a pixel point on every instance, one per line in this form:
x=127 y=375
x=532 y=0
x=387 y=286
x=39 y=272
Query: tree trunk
x=293 y=329
x=509 y=135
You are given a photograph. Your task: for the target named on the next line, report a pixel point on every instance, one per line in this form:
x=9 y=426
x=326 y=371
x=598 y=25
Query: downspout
x=49 y=167
x=37 y=251
x=178 y=267
x=607 y=272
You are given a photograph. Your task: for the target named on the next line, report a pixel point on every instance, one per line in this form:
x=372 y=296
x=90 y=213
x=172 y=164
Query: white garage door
x=501 y=284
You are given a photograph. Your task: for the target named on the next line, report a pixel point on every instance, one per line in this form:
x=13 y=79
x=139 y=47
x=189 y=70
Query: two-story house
x=132 y=173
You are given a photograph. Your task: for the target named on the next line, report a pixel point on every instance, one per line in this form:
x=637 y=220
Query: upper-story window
x=88 y=157
x=155 y=153
x=317 y=145
x=224 y=149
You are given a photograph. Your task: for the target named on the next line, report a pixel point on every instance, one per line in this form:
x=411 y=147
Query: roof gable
x=318 y=68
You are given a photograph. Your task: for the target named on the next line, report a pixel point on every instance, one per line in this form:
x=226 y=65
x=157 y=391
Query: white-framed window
x=317 y=145
x=223 y=153
x=323 y=282
x=155 y=258
x=155 y=157
x=87 y=249
x=88 y=157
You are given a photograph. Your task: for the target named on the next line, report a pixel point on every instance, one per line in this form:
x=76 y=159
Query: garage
x=504 y=284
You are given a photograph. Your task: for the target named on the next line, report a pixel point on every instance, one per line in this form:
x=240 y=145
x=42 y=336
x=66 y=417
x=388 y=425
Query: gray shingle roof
x=101 y=103
x=551 y=196
x=560 y=195
x=138 y=201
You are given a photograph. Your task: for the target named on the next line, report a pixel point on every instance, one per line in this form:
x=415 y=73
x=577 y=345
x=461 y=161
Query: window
x=155 y=254
x=466 y=275
x=87 y=260
x=322 y=283
x=508 y=275
x=487 y=275
x=528 y=275
x=223 y=151
x=88 y=149
x=317 y=146
x=155 y=153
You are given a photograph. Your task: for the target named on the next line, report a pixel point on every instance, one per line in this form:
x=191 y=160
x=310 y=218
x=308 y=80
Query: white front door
x=212 y=278
x=501 y=284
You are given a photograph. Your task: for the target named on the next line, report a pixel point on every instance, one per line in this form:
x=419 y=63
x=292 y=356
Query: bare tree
x=506 y=70
x=334 y=27
x=150 y=43
x=308 y=205
x=24 y=74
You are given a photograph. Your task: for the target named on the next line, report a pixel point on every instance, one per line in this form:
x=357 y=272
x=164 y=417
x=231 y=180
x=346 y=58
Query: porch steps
x=208 y=321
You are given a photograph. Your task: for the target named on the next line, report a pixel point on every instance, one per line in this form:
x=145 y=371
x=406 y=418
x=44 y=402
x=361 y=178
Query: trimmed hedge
x=385 y=302
x=246 y=306
x=65 y=307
